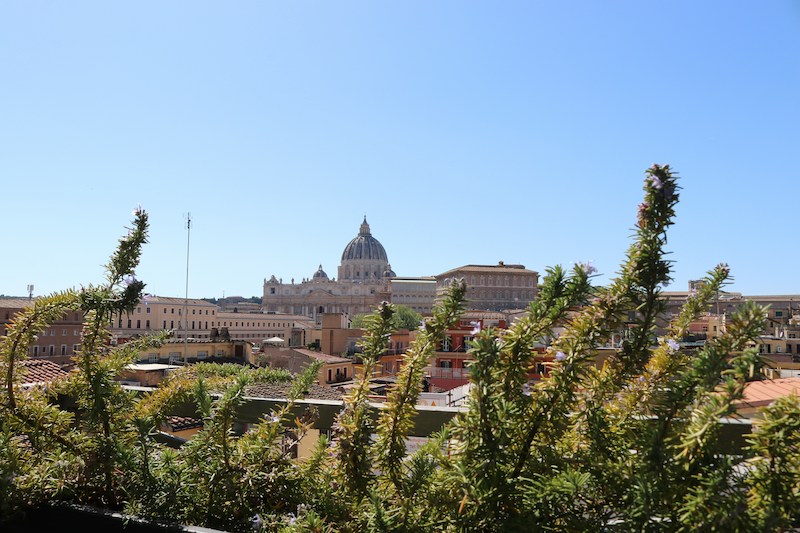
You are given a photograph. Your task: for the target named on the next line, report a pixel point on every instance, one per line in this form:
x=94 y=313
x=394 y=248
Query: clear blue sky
x=466 y=132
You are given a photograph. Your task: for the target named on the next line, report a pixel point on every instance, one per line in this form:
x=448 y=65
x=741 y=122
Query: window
x=165 y=325
x=35 y=351
x=147 y=324
x=171 y=324
x=778 y=314
x=75 y=348
x=148 y=309
x=173 y=311
x=446 y=343
x=63 y=349
x=138 y=324
x=63 y=332
x=202 y=354
x=152 y=357
x=129 y=323
x=467 y=342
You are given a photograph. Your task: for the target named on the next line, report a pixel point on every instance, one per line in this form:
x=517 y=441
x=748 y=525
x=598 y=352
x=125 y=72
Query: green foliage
x=403 y=317
x=633 y=445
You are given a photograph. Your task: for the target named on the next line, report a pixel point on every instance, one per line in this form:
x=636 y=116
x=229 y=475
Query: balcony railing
x=447 y=373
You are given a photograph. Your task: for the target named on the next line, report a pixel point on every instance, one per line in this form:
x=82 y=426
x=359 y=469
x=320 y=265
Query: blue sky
x=466 y=132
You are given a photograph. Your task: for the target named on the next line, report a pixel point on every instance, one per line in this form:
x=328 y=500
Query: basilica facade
x=364 y=276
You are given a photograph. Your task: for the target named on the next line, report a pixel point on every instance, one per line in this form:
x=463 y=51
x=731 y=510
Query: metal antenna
x=186 y=295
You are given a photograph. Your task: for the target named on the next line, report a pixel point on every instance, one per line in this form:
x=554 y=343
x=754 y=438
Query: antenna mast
x=186 y=295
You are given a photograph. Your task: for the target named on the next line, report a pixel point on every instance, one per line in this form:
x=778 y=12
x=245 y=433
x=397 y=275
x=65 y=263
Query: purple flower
x=656 y=182
x=642 y=379
x=257 y=522
x=588 y=267
x=526 y=389
x=673 y=345
x=560 y=356
x=476 y=327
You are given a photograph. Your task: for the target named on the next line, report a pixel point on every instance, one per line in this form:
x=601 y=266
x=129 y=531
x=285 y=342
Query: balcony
x=436 y=372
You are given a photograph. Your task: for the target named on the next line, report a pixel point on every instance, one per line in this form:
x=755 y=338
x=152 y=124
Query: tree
x=403 y=318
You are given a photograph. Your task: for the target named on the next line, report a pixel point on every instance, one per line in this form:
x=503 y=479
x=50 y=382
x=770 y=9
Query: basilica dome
x=364 y=247
x=364 y=258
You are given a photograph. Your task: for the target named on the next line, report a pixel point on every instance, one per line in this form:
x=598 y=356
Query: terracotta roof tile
x=761 y=393
x=315 y=392
x=180 y=423
x=41 y=371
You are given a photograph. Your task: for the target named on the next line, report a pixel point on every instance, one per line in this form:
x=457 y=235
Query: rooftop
x=37 y=371
x=762 y=393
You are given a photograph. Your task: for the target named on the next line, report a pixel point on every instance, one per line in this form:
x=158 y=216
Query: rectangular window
x=63 y=349
x=148 y=309
x=129 y=323
x=75 y=348
x=147 y=324
x=138 y=324
x=35 y=351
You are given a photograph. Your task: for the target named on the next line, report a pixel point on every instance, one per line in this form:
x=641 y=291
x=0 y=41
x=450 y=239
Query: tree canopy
x=403 y=318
